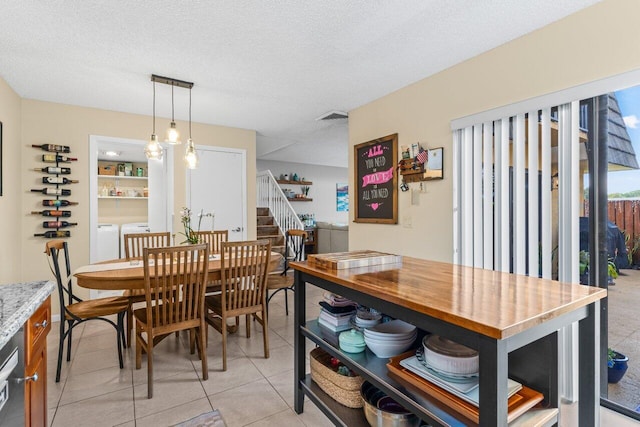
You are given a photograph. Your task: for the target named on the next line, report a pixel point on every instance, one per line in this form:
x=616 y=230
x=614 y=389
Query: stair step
x=268 y=230
x=265 y=220
x=263 y=212
x=277 y=240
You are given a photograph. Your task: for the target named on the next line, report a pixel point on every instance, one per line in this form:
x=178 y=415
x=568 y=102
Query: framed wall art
x=376 y=181
x=342 y=197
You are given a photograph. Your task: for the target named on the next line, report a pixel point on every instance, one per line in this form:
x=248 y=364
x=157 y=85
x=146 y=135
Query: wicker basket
x=344 y=390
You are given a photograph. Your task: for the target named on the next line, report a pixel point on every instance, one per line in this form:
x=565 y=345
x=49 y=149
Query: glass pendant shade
x=153 y=150
x=173 y=136
x=191 y=155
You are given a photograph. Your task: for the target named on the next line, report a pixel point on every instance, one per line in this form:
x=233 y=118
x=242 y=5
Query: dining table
x=121 y=274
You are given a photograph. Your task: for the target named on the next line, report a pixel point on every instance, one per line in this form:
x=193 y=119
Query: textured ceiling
x=273 y=66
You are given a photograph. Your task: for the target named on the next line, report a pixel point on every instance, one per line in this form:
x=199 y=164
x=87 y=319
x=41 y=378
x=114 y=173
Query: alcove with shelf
x=289 y=182
x=113 y=186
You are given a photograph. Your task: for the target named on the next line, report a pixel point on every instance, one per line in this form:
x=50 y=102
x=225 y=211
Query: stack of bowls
x=351 y=341
x=365 y=318
x=449 y=357
x=382 y=411
x=391 y=338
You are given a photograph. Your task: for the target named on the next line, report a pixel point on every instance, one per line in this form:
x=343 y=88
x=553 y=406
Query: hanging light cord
x=172 y=103
x=189 y=113
x=154 y=106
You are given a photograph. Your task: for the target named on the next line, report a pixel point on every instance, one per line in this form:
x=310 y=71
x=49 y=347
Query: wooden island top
x=495 y=304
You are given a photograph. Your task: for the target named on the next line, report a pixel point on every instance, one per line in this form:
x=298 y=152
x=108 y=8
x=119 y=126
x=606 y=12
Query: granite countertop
x=18 y=301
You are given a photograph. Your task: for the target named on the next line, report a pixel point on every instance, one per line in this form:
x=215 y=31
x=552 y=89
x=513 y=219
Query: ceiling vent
x=334 y=115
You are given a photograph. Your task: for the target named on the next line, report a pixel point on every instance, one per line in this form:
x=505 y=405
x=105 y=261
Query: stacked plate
x=391 y=338
x=450 y=358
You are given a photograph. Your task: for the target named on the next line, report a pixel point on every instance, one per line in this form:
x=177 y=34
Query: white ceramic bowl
x=388 y=349
x=394 y=327
x=467 y=364
x=365 y=323
x=410 y=338
x=391 y=338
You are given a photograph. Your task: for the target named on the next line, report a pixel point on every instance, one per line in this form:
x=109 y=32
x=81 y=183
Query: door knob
x=237 y=230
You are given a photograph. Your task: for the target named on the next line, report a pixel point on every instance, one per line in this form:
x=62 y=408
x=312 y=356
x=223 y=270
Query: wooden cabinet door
x=35 y=392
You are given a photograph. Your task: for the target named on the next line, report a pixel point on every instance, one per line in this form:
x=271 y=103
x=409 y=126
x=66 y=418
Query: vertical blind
x=507 y=217
x=503 y=211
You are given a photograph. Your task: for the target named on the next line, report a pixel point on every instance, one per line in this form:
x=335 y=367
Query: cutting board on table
x=352 y=259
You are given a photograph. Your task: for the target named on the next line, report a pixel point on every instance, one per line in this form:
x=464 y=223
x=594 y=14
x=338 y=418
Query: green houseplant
x=583 y=260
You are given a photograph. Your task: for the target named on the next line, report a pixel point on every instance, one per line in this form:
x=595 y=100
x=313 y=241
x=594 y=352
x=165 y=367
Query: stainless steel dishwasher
x=12 y=382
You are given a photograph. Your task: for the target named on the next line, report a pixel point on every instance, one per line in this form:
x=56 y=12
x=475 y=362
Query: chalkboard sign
x=376 y=181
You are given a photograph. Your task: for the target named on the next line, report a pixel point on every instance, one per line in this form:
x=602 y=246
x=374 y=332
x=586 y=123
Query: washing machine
x=132 y=228
x=108 y=242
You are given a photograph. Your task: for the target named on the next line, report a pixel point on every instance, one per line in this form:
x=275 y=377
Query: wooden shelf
x=282 y=181
x=122 y=197
x=122 y=177
x=299 y=199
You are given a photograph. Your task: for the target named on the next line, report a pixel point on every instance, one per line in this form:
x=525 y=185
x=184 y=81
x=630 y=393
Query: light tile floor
x=254 y=391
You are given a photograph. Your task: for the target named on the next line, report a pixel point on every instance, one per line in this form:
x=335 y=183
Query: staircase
x=275 y=214
x=268 y=229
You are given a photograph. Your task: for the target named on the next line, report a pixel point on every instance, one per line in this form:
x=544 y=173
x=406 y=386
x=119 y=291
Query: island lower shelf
x=374 y=370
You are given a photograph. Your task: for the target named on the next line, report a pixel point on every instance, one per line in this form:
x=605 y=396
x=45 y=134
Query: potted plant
x=617 y=364
x=583 y=259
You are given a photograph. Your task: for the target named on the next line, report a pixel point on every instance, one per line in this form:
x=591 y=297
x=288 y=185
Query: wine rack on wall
x=55 y=179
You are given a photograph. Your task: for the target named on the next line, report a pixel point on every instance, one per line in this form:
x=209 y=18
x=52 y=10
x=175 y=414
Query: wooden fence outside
x=626 y=215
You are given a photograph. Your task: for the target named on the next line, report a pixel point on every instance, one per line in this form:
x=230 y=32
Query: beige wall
x=12 y=192
x=578 y=49
x=45 y=122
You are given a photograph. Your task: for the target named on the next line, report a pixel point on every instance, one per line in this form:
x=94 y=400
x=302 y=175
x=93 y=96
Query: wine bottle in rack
x=58 y=180
x=54 y=170
x=52 y=234
x=53 y=191
x=58 y=203
x=53 y=148
x=52 y=213
x=58 y=224
x=56 y=158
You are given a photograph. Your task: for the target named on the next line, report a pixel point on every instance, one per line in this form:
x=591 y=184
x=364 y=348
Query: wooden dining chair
x=243 y=270
x=213 y=238
x=282 y=280
x=76 y=311
x=175 y=280
x=134 y=244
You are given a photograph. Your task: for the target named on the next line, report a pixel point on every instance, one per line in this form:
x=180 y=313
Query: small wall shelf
x=282 y=181
x=299 y=199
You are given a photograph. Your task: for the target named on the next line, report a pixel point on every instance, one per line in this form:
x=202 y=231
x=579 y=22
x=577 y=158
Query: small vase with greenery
x=189 y=232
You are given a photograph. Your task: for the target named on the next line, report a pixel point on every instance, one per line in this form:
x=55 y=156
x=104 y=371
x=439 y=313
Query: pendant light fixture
x=173 y=136
x=191 y=155
x=153 y=150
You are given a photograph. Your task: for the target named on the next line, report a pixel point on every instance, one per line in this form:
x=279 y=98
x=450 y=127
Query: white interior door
x=218 y=186
x=160 y=184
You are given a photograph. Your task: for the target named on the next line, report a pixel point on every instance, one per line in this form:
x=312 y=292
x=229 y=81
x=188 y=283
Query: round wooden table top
x=133 y=277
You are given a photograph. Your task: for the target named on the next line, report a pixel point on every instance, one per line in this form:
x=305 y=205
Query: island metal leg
x=299 y=342
x=493 y=382
x=589 y=368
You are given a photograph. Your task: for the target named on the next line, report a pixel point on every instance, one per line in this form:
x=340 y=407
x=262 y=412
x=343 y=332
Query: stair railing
x=271 y=196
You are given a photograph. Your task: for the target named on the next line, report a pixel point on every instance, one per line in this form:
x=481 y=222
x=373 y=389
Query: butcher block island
x=512 y=321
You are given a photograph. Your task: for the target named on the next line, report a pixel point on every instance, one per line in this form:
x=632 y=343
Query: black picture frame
x=376 y=181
